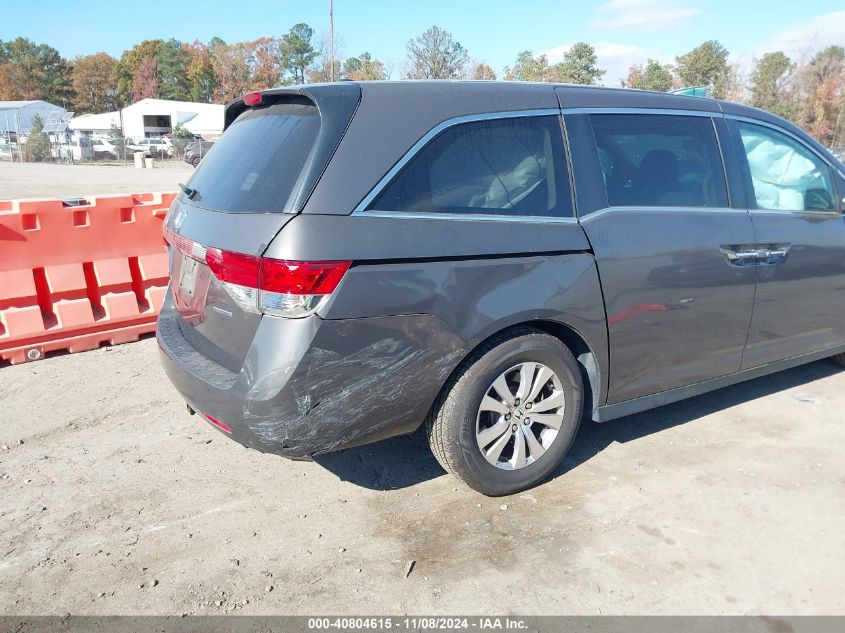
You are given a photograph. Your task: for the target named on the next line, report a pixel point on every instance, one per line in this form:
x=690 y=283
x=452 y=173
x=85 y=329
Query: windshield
x=257 y=163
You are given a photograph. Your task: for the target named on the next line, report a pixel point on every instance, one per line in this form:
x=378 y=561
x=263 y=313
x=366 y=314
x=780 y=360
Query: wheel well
x=582 y=353
x=569 y=337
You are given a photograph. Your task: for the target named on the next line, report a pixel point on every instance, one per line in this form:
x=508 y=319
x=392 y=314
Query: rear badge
x=178 y=218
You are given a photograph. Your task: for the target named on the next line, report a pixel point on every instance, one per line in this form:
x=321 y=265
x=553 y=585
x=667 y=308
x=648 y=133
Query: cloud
x=642 y=14
x=799 y=41
x=805 y=38
x=616 y=59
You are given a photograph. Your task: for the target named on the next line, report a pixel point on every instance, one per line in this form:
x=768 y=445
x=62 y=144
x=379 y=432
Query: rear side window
x=511 y=166
x=257 y=163
x=660 y=160
x=786 y=176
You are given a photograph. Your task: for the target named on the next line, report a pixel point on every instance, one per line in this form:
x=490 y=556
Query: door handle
x=741 y=255
x=744 y=255
x=774 y=254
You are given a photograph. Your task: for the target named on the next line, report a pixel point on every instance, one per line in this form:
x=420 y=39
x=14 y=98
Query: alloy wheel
x=520 y=415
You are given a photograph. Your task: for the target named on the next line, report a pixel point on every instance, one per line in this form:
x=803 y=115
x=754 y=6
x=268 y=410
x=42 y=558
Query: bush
x=38 y=143
x=180 y=138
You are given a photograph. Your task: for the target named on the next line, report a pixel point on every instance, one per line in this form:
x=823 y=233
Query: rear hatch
x=275 y=147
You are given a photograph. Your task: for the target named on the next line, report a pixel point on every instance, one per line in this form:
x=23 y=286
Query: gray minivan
x=355 y=259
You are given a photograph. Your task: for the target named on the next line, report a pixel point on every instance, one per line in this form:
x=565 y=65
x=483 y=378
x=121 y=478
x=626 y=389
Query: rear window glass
x=660 y=160
x=512 y=166
x=257 y=163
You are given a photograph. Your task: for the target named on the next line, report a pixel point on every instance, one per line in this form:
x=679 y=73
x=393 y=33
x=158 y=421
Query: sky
x=494 y=31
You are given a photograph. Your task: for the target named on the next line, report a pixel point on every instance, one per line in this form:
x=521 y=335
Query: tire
x=457 y=417
x=195 y=162
x=839 y=358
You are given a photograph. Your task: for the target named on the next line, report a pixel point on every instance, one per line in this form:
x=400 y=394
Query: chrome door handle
x=755 y=255
x=775 y=254
x=741 y=256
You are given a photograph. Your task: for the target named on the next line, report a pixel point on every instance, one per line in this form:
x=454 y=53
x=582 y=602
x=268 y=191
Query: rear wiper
x=191 y=193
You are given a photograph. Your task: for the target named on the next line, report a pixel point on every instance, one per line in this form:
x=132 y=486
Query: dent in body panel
x=356 y=378
x=477 y=298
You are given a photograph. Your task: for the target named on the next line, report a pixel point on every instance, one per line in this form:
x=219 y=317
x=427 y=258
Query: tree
x=770 y=84
x=579 y=65
x=199 y=71
x=364 y=68
x=266 y=65
x=530 y=68
x=93 y=83
x=128 y=64
x=652 y=76
x=38 y=144
x=7 y=88
x=232 y=66
x=481 y=71
x=180 y=137
x=436 y=55
x=821 y=85
x=146 y=82
x=171 y=65
x=322 y=71
x=705 y=65
x=35 y=71
x=116 y=138
x=297 y=52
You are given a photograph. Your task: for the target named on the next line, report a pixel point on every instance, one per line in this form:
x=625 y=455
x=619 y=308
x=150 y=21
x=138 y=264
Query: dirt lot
x=32 y=180
x=117 y=501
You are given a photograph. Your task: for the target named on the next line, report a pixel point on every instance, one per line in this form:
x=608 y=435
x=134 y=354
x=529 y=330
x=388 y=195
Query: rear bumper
x=310 y=386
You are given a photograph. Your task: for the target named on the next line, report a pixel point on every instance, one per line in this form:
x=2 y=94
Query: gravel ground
x=34 y=180
x=114 y=500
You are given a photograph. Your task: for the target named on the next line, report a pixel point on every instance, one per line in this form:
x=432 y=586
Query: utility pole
x=331 y=39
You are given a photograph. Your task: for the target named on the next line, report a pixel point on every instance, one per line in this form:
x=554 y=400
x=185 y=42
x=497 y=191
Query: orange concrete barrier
x=74 y=276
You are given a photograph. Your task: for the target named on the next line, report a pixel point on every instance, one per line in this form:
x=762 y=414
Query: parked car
x=354 y=259
x=196 y=150
x=104 y=148
x=69 y=147
x=153 y=147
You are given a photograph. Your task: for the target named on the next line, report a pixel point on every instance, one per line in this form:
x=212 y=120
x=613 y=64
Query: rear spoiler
x=334 y=101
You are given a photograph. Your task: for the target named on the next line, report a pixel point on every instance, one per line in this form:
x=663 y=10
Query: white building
x=16 y=116
x=95 y=124
x=155 y=117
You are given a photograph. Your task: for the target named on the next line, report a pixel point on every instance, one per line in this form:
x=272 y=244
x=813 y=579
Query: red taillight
x=233 y=268
x=272 y=286
x=301 y=278
x=217 y=423
x=252 y=98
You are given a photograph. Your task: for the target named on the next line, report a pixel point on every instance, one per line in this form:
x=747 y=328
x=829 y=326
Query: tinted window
x=660 y=160
x=257 y=162
x=510 y=166
x=785 y=175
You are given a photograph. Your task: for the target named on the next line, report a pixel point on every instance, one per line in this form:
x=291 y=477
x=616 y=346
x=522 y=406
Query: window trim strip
x=361 y=208
x=636 y=110
x=474 y=217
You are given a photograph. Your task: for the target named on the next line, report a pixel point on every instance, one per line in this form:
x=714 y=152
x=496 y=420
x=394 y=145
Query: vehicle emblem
x=178 y=218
